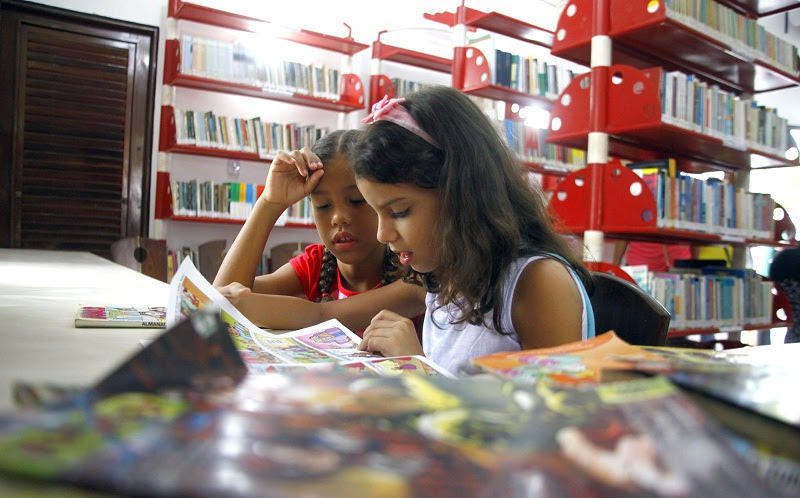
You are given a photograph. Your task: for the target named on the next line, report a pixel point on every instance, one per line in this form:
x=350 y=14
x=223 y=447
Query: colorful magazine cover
x=329 y=342
x=210 y=429
x=573 y=363
x=116 y=316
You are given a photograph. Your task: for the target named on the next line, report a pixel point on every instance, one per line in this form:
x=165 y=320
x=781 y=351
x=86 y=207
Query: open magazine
x=328 y=345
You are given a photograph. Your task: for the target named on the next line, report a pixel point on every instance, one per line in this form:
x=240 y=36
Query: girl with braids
x=349 y=261
x=453 y=204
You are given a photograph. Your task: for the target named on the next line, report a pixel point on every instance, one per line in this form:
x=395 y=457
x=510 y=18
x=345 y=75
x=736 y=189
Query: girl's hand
x=233 y=292
x=292 y=176
x=391 y=334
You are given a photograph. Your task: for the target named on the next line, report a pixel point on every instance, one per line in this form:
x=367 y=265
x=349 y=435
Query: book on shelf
x=711 y=296
x=711 y=206
x=241 y=63
x=121 y=316
x=328 y=345
x=184 y=417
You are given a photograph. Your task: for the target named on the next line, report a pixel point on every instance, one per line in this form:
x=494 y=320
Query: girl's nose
x=341 y=216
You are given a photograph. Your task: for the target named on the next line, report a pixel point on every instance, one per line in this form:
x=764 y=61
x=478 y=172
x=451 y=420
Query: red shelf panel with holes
x=381 y=85
x=472 y=75
x=624 y=214
x=496 y=23
x=636 y=127
x=642 y=39
x=179 y=9
x=167 y=142
x=352 y=91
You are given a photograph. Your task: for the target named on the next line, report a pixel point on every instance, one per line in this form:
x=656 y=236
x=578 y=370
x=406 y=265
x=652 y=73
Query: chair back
x=148 y=256
x=634 y=315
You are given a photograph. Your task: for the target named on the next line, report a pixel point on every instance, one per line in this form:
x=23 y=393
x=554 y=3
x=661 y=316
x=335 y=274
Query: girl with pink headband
x=453 y=204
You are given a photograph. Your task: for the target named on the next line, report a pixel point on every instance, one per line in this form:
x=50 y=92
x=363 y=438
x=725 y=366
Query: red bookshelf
x=634 y=123
x=381 y=84
x=178 y=9
x=352 y=90
x=167 y=142
x=644 y=34
x=496 y=23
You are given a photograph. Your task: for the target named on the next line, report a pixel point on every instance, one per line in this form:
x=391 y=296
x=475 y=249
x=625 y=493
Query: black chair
x=624 y=307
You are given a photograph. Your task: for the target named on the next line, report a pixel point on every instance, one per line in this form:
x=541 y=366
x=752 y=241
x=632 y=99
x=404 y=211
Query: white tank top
x=452 y=346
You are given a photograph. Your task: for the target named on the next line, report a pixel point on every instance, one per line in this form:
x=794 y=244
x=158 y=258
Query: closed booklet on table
x=119 y=316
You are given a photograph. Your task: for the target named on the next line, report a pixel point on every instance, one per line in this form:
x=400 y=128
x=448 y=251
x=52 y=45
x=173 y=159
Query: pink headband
x=391 y=110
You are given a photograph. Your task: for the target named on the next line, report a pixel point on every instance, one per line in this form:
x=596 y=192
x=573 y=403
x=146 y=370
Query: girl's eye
x=323 y=206
x=401 y=214
x=358 y=202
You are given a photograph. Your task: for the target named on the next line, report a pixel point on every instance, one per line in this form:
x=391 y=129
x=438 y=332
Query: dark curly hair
x=490 y=214
x=332 y=145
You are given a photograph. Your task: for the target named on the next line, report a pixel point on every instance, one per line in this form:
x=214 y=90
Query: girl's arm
x=291 y=177
x=355 y=312
x=547 y=306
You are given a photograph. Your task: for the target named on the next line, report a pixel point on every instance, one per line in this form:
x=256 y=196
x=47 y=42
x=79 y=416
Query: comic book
x=329 y=345
x=116 y=316
x=573 y=363
x=207 y=427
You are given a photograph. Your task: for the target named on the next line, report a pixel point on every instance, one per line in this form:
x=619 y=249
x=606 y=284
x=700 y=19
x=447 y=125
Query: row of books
x=403 y=87
x=247 y=65
x=206 y=129
x=745 y=35
x=705 y=108
x=709 y=297
x=531 y=145
x=712 y=206
x=523 y=73
x=228 y=200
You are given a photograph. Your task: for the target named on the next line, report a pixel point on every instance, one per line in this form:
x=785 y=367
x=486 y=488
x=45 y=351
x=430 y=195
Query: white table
x=39 y=295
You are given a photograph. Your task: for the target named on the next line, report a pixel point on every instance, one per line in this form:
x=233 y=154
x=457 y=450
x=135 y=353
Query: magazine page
x=328 y=342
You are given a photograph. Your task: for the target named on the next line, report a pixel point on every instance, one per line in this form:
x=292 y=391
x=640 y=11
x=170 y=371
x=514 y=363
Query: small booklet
x=116 y=316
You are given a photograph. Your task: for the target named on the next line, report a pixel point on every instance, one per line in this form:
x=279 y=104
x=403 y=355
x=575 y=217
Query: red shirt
x=657 y=257
x=308 y=265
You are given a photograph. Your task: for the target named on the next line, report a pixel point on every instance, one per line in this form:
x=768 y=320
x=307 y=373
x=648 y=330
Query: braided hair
x=327 y=275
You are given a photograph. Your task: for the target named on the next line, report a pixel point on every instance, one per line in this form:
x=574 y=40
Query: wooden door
x=76 y=106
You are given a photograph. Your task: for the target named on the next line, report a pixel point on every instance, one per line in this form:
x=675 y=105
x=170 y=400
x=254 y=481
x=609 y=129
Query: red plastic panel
x=380 y=85
x=573 y=34
x=633 y=98
x=570 y=203
x=570 y=114
x=627 y=203
x=352 y=90
x=163 y=196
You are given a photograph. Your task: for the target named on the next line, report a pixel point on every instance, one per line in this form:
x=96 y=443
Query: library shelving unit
x=472 y=75
x=616 y=111
x=380 y=84
x=351 y=95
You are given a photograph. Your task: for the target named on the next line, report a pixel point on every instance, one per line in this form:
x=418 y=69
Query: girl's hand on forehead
x=306 y=161
x=292 y=176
